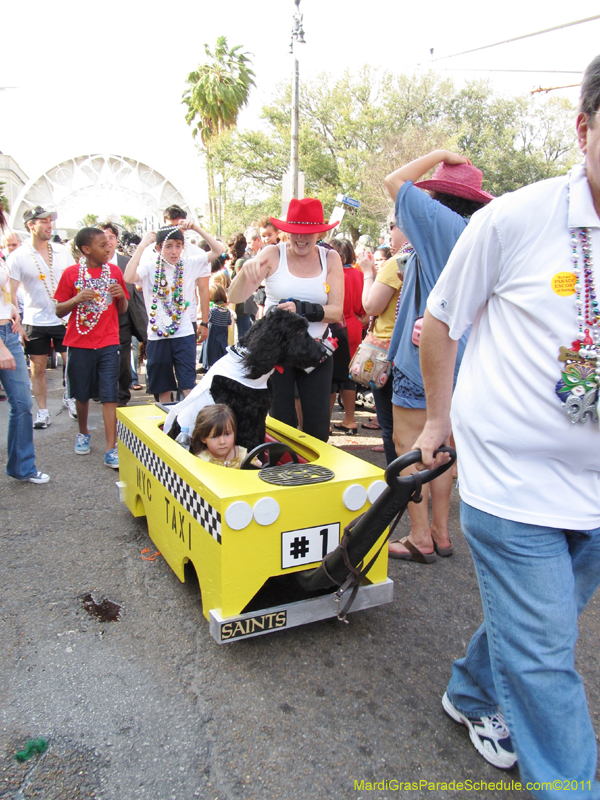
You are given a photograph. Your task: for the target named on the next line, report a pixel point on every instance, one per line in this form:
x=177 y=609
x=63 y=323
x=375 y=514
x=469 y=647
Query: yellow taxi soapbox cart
x=275 y=547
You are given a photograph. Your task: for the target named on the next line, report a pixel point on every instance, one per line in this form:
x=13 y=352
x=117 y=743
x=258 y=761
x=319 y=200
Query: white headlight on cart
x=354 y=497
x=238 y=515
x=375 y=490
x=266 y=511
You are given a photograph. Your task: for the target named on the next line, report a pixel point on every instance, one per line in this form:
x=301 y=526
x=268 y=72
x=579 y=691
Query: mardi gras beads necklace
x=42 y=273
x=170 y=302
x=88 y=313
x=579 y=384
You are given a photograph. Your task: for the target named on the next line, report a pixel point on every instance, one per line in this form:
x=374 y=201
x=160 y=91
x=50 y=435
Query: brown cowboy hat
x=461 y=180
x=304 y=216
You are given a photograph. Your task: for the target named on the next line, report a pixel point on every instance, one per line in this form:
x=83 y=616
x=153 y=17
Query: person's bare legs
x=109 y=416
x=82 y=416
x=349 y=401
x=38 y=379
x=441 y=489
x=408 y=424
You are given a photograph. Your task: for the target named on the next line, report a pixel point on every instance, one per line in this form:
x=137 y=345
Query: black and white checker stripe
x=197 y=506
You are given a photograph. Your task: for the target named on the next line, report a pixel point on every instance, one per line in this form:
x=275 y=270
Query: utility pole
x=297 y=36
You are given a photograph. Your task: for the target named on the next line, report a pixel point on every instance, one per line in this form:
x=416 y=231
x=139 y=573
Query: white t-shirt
x=520 y=456
x=195 y=265
x=38 y=308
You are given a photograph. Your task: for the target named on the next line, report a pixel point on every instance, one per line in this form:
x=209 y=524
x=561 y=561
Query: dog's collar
x=238 y=351
x=278 y=368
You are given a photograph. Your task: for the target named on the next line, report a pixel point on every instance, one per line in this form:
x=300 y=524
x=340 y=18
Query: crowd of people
x=488 y=312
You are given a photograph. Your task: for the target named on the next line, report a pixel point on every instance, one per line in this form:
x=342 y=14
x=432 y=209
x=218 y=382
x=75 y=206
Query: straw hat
x=460 y=180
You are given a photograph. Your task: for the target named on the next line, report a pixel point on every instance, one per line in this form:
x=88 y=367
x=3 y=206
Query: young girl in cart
x=213 y=439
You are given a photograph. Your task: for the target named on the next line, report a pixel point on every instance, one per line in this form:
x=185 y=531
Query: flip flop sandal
x=371 y=426
x=340 y=427
x=413 y=553
x=444 y=552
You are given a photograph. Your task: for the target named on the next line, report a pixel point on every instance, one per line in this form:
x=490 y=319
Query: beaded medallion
x=88 y=314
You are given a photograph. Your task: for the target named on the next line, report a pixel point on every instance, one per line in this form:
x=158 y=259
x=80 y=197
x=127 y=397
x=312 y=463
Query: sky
x=108 y=78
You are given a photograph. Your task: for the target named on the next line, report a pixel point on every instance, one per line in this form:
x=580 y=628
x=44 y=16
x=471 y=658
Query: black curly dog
x=280 y=339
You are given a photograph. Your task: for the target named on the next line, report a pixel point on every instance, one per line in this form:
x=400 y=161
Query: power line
x=534 y=71
x=518 y=38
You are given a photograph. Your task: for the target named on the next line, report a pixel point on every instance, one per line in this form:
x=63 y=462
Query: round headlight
x=238 y=515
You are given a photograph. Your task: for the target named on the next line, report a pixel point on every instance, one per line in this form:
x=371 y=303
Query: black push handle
x=392 y=473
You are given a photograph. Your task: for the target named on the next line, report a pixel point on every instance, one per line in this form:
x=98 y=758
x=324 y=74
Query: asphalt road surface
x=147 y=706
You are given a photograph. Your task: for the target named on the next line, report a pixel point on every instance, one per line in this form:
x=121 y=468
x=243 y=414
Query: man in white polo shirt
x=525 y=421
x=37 y=266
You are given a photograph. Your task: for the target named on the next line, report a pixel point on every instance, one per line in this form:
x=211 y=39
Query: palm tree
x=89 y=221
x=219 y=89
x=130 y=223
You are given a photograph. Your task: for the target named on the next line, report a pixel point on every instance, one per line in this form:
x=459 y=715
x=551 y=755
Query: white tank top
x=282 y=285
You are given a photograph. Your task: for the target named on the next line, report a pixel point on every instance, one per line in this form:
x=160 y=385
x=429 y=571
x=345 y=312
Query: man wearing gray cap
x=37 y=266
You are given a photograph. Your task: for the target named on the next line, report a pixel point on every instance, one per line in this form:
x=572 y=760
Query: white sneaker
x=69 y=404
x=489 y=735
x=39 y=477
x=42 y=419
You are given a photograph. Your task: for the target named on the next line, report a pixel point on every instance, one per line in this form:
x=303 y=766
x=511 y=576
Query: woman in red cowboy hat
x=433 y=221
x=306 y=279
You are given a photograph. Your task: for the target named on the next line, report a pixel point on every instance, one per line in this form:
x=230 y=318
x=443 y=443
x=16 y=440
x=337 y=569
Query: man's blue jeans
x=21 y=457
x=534 y=582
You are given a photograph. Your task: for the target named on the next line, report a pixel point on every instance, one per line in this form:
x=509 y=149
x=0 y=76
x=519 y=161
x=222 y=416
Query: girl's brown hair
x=217 y=293
x=218 y=418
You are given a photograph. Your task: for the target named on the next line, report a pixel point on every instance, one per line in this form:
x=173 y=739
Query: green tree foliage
x=89 y=221
x=356 y=130
x=217 y=92
x=130 y=223
x=3 y=198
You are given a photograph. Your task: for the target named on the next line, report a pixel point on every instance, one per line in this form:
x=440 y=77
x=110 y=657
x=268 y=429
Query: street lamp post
x=297 y=36
x=219 y=179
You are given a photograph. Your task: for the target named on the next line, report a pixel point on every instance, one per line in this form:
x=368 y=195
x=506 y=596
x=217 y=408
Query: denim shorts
x=407 y=393
x=170 y=364
x=94 y=373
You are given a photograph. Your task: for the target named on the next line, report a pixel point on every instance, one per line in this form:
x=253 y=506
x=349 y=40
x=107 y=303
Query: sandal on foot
x=413 y=553
x=339 y=426
x=373 y=425
x=444 y=552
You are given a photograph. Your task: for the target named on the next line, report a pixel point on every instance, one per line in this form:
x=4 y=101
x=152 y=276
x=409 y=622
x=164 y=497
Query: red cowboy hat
x=461 y=180
x=304 y=216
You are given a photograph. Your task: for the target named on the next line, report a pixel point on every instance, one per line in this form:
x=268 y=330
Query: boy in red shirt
x=94 y=293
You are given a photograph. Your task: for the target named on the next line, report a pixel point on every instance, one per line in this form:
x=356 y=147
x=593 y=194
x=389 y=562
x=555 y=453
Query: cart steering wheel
x=273 y=451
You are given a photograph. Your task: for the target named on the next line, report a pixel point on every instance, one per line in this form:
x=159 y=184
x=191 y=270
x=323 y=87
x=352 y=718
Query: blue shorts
x=407 y=393
x=170 y=364
x=94 y=373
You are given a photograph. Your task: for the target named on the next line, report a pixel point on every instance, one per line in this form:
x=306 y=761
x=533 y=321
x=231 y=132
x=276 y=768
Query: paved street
x=148 y=707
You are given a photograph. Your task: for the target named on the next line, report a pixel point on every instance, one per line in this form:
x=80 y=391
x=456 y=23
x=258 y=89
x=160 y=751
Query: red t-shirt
x=353 y=289
x=106 y=330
